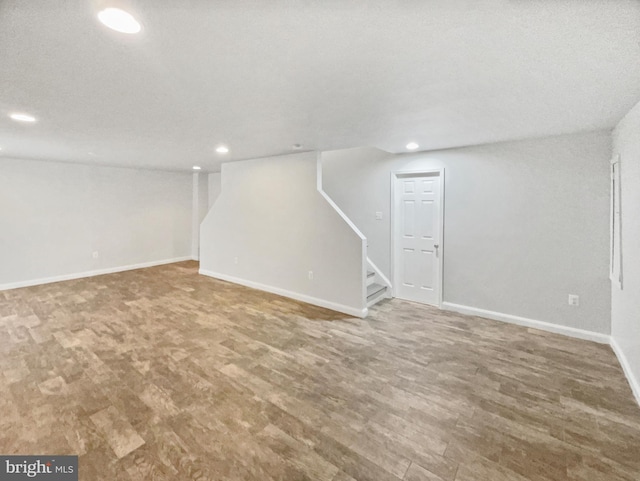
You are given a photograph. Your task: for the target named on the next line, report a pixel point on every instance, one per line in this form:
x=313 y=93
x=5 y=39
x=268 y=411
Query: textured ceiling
x=261 y=76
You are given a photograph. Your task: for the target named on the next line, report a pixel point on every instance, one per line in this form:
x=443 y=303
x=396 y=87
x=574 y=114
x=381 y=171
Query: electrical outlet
x=310 y=275
x=96 y=254
x=574 y=300
x=235 y=260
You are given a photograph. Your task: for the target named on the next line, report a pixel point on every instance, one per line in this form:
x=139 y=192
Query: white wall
x=203 y=197
x=215 y=185
x=271 y=217
x=199 y=209
x=625 y=303
x=53 y=216
x=526 y=223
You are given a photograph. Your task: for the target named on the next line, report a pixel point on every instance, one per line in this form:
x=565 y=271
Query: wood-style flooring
x=162 y=374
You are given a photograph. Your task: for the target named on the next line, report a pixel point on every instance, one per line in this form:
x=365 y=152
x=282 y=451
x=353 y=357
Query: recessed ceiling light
x=22 y=117
x=196 y=167
x=119 y=20
x=222 y=149
x=412 y=146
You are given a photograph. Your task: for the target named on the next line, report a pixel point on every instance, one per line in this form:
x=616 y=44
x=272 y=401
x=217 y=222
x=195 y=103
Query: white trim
x=381 y=275
x=365 y=281
x=440 y=171
x=626 y=367
x=523 y=321
x=330 y=200
x=98 y=272
x=353 y=227
x=347 y=221
x=615 y=223
x=195 y=216
x=352 y=311
x=378 y=298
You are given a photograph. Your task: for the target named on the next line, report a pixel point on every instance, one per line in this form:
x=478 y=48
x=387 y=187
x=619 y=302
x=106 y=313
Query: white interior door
x=417 y=237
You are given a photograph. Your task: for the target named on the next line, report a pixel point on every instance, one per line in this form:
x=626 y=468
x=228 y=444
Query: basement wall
x=272 y=229
x=625 y=302
x=526 y=224
x=54 y=216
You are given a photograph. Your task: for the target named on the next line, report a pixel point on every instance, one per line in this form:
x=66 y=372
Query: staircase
x=375 y=292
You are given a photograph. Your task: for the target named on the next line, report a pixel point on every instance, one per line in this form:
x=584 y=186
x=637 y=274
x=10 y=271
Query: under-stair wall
x=273 y=229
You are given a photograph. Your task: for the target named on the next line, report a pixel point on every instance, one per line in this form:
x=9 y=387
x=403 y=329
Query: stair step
x=370 y=274
x=374 y=290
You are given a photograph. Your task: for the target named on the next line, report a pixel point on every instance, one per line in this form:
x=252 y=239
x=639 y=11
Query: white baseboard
x=626 y=367
x=523 y=321
x=352 y=311
x=98 y=272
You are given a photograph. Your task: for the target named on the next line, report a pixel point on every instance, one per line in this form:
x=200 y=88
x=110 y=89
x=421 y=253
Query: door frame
x=395 y=175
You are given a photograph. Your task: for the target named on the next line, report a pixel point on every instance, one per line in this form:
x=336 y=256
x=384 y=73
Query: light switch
x=378 y=215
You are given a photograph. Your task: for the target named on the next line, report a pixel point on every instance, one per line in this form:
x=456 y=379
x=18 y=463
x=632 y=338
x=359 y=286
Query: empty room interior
x=320 y=240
